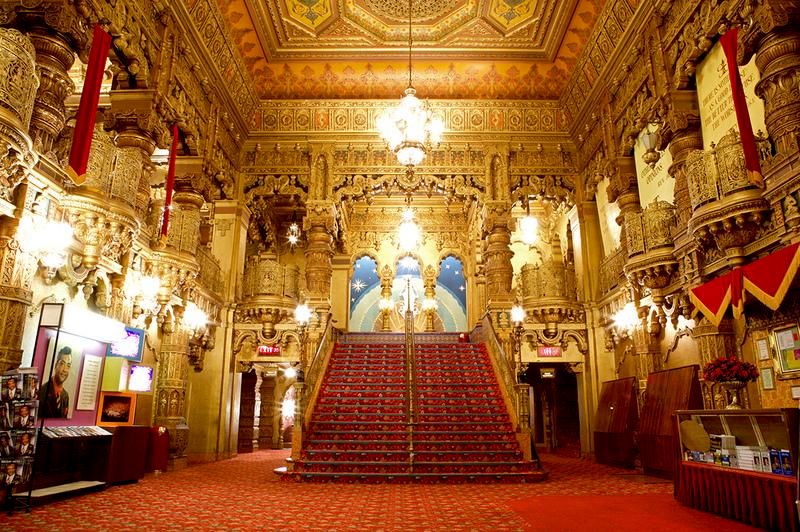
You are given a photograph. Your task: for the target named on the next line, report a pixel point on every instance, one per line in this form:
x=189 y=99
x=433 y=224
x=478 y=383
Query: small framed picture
x=767 y=378
x=762 y=349
x=116 y=408
x=787 y=341
x=795 y=392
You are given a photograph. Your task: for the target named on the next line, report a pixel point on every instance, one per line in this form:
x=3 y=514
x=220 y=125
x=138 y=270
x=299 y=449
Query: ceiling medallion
x=399 y=10
x=410 y=128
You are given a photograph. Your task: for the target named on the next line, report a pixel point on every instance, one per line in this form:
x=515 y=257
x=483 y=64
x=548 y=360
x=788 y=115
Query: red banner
x=87 y=110
x=768 y=279
x=170 y=184
x=712 y=298
x=729 y=42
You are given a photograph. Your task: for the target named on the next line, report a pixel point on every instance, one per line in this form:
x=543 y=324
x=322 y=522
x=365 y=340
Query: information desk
x=760 y=499
x=741 y=464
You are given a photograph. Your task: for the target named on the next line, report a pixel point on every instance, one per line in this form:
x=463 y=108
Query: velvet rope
x=729 y=42
x=170 y=184
x=87 y=110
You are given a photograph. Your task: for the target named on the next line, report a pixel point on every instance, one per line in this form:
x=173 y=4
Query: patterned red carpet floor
x=244 y=493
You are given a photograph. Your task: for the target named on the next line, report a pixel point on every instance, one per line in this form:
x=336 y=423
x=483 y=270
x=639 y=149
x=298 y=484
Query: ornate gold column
x=713 y=342
x=497 y=255
x=429 y=278
x=683 y=123
x=387 y=277
x=173 y=374
x=57 y=33
x=18 y=84
x=176 y=265
x=319 y=225
x=778 y=60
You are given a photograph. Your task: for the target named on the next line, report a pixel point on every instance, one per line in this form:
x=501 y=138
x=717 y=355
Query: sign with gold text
x=607 y=213
x=654 y=183
x=717 y=115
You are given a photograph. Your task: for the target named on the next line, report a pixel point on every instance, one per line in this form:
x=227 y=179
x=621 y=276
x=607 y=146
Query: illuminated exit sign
x=268 y=350
x=549 y=351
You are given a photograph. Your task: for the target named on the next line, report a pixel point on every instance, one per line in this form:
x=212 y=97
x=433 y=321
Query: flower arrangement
x=730 y=368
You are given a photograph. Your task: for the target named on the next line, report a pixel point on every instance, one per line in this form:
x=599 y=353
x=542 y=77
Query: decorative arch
x=451 y=294
x=364 y=289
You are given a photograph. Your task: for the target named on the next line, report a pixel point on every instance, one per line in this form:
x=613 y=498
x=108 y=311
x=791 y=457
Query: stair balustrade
x=515 y=395
x=309 y=383
x=411 y=381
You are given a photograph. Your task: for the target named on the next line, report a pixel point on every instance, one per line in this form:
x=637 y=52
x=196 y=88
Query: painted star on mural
x=358 y=285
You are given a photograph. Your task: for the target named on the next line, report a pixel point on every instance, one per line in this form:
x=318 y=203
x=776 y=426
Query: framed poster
x=116 y=408
x=787 y=343
x=60 y=383
x=762 y=349
x=767 y=378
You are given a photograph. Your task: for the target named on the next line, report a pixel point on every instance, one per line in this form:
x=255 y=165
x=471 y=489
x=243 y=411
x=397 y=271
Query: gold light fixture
x=410 y=128
x=45 y=240
x=528 y=226
x=408 y=233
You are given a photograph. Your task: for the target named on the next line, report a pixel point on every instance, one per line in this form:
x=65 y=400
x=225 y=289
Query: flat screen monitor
x=130 y=347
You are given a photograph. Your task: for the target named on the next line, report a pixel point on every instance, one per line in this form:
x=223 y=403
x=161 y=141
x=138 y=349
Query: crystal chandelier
x=410 y=128
x=408 y=233
x=293 y=234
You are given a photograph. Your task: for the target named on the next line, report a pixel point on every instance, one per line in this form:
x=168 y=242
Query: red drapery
x=170 y=184
x=87 y=110
x=760 y=499
x=767 y=279
x=729 y=42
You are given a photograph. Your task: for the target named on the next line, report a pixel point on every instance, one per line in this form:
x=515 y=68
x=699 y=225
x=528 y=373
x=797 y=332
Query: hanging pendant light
x=528 y=226
x=410 y=128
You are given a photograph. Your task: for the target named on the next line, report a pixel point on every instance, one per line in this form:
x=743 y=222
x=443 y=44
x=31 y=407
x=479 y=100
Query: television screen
x=129 y=347
x=141 y=379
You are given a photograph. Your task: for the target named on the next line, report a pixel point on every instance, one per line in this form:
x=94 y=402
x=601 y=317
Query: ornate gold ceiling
x=514 y=49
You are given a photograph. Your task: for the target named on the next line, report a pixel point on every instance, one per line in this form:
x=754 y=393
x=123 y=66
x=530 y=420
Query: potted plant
x=732 y=374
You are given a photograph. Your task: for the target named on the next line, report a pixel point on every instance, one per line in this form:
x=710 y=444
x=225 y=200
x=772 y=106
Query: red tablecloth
x=760 y=499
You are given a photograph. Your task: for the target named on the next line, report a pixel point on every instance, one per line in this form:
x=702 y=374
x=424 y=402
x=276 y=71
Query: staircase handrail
x=411 y=380
x=317 y=368
x=504 y=369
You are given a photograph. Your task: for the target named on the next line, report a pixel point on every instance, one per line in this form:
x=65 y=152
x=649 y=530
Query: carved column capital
x=57 y=31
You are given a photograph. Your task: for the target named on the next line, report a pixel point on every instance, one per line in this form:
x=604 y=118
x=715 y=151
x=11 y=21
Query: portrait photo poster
x=48 y=346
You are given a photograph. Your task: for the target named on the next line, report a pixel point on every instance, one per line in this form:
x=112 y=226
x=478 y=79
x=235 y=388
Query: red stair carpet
x=359 y=430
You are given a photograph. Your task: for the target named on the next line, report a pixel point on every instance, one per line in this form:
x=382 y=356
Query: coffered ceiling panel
x=462 y=48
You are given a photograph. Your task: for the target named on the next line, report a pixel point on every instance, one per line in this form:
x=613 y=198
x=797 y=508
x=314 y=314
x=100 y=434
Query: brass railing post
x=411 y=384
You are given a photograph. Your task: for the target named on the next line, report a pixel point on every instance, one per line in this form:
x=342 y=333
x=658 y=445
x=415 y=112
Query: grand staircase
x=360 y=429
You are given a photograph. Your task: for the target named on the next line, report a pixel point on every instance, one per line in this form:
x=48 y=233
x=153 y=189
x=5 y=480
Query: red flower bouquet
x=730 y=368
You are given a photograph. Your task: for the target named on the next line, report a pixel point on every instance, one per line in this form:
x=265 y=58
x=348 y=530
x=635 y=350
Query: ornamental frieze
x=294 y=116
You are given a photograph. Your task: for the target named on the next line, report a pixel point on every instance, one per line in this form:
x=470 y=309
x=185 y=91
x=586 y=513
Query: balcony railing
x=264 y=276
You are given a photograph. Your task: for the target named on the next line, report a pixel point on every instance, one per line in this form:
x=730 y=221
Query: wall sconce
x=684 y=324
x=385 y=305
x=302 y=316
x=143 y=290
x=195 y=319
x=430 y=306
x=626 y=319
x=518 y=318
x=45 y=240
